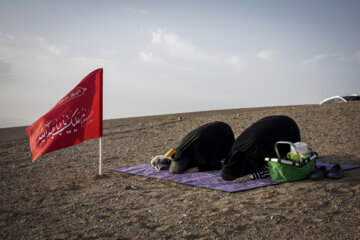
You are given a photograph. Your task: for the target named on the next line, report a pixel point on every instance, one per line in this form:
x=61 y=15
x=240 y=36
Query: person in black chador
x=246 y=157
x=203 y=148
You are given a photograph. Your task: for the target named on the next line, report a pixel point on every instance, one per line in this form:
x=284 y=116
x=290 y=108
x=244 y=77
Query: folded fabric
x=160 y=162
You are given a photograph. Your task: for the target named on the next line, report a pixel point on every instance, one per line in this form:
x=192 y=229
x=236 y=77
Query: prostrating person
x=246 y=157
x=203 y=149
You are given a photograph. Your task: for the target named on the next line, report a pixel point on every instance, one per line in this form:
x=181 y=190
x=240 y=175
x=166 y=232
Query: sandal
x=319 y=173
x=335 y=172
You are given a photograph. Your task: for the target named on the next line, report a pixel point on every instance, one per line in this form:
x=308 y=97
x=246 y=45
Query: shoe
x=319 y=173
x=335 y=172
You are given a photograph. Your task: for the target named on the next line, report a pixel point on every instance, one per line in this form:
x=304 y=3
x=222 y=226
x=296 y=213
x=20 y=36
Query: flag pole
x=100 y=158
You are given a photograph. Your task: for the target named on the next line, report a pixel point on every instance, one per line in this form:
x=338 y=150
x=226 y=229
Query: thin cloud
x=178 y=47
x=236 y=61
x=36 y=58
x=158 y=35
x=357 y=56
x=42 y=44
x=6 y=36
x=56 y=49
x=354 y=58
x=177 y=43
x=172 y=42
x=149 y=57
x=319 y=57
x=267 y=55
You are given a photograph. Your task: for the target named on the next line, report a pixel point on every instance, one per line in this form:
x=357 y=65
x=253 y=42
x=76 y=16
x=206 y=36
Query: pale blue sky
x=162 y=57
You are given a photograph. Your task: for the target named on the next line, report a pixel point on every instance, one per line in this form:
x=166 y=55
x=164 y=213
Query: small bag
x=300 y=166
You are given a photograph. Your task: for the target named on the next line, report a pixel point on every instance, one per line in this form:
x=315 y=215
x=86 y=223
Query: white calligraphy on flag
x=70 y=122
x=77 y=92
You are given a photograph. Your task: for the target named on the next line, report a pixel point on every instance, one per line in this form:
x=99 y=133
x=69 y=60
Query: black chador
x=257 y=142
x=204 y=147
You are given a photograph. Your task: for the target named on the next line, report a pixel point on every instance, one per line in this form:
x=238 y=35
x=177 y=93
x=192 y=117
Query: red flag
x=75 y=118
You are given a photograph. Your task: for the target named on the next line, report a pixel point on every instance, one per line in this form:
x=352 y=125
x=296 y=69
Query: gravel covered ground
x=60 y=197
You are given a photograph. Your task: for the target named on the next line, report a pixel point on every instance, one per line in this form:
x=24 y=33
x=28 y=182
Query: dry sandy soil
x=59 y=197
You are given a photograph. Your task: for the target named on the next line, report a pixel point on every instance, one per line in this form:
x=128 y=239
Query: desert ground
x=60 y=197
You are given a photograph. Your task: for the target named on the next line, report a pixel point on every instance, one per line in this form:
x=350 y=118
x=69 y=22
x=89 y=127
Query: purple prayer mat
x=210 y=179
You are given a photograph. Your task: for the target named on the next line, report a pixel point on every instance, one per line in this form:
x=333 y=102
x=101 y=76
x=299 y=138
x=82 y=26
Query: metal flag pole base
x=100 y=158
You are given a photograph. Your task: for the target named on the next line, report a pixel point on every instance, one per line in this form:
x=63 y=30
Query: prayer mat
x=211 y=179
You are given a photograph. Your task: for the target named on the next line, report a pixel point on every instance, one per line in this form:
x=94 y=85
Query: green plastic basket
x=287 y=170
